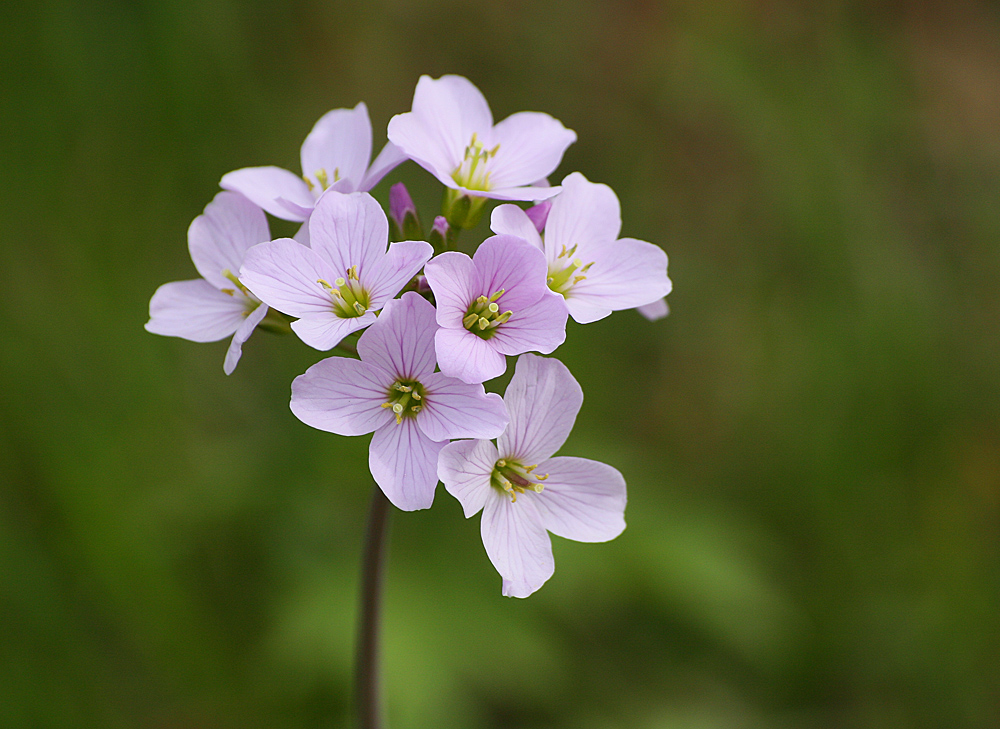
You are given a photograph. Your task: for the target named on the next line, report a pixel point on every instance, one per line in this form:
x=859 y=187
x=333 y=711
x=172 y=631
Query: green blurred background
x=811 y=439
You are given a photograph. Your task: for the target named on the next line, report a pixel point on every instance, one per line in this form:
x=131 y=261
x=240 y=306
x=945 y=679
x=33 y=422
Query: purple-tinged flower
x=394 y=391
x=216 y=305
x=523 y=491
x=538 y=214
x=335 y=286
x=450 y=133
x=655 y=310
x=334 y=156
x=593 y=271
x=492 y=305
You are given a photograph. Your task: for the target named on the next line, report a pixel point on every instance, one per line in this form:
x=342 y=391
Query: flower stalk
x=368 y=689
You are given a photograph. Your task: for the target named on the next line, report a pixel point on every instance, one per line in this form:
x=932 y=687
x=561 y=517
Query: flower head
x=335 y=286
x=523 y=491
x=592 y=270
x=493 y=304
x=334 y=157
x=450 y=133
x=216 y=305
x=394 y=392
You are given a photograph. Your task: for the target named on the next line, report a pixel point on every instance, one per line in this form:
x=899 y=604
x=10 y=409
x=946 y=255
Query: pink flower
x=523 y=491
x=450 y=133
x=216 y=305
x=335 y=286
x=591 y=269
x=491 y=305
x=334 y=156
x=394 y=392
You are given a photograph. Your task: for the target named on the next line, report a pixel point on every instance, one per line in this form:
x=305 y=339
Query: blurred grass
x=811 y=439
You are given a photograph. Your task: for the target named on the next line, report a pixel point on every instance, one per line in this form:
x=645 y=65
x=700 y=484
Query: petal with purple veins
x=195 y=310
x=517 y=543
x=465 y=467
x=338 y=148
x=343 y=396
x=265 y=185
x=582 y=500
x=218 y=239
x=401 y=341
x=242 y=334
x=403 y=462
x=455 y=409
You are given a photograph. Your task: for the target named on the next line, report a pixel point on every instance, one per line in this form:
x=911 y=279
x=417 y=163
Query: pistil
x=350 y=299
x=468 y=174
x=405 y=399
x=483 y=315
x=512 y=478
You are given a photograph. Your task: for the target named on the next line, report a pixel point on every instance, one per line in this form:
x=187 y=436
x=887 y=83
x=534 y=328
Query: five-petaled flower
x=523 y=491
x=593 y=270
x=335 y=286
x=334 y=156
x=450 y=133
x=216 y=305
x=394 y=391
x=493 y=304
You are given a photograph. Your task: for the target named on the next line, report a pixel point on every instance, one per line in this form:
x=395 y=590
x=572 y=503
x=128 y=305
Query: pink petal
x=531 y=146
x=242 y=334
x=389 y=158
x=654 y=310
x=403 y=462
x=585 y=214
x=511 y=220
x=582 y=500
x=349 y=230
x=625 y=274
x=454 y=409
x=465 y=467
x=401 y=341
x=340 y=144
x=542 y=400
x=517 y=543
x=395 y=269
x=445 y=114
x=462 y=354
x=325 y=331
x=540 y=327
x=219 y=238
x=513 y=264
x=520 y=193
x=343 y=396
x=450 y=276
x=265 y=185
x=196 y=311
x=285 y=275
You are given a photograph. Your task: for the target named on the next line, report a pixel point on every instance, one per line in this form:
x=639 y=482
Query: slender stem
x=367 y=685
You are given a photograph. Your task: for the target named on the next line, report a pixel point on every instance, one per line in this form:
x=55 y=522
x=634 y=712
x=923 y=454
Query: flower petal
x=242 y=334
x=349 y=230
x=462 y=354
x=585 y=214
x=542 y=400
x=654 y=310
x=512 y=220
x=401 y=341
x=403 y=462
x=195 y=310
x=529 y=193
x=343 y=396
x=465 y=467
x=388 y=159
x=454 y=409
x=625 y=274
x=450 y=276
x=325 y=331
x=339 y=147
x=285 y=275
x=514 y=265
x=218 y=239
x=582 y=500
x=395 y=269
x=539 y=328
x=446 y=113
x=265 y=185
x=531 y=146
x=517 y=543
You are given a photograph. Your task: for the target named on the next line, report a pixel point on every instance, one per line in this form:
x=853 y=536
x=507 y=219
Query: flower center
x=483 y=316
x=512 y=478
x=406 y=399
x=323 y=179
x=251 y=302
x=561 y=278
x=350 y=298
x=471 y=173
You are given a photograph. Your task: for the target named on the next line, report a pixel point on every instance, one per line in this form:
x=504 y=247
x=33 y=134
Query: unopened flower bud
x=539 y=213
x=439 y=233
x=404 y=224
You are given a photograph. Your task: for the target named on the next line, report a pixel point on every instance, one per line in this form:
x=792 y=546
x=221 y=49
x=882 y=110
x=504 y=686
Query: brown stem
x=367 y=680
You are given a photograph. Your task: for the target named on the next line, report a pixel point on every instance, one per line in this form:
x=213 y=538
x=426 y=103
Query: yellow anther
x=352 y=272
x=483 y=322
x=497 y=295
x=229 y=292
x=404 y=388
x=321 y=177
x=387 y=404
x=416 y=396
x=501 y=463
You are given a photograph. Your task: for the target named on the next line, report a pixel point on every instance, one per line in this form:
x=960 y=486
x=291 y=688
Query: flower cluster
x=433 y=323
